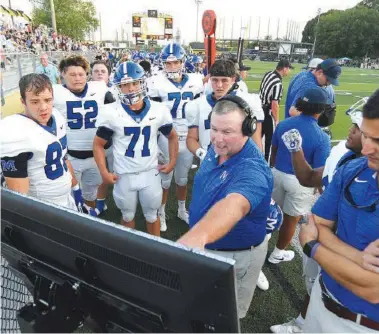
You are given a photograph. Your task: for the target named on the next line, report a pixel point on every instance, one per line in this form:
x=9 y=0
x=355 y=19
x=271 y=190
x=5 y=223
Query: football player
x=133 y=124
x=79 y=103
x=34 y=146
x=174 y=89
x=222 y=78
x=100 y=72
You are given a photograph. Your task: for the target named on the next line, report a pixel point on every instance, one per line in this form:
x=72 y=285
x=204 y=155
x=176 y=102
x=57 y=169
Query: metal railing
x=16 y=64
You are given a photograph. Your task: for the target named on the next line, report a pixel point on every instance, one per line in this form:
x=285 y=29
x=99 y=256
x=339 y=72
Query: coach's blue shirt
x=316 y=144
x=356 y=227
x=297 y=87
x=245 y=173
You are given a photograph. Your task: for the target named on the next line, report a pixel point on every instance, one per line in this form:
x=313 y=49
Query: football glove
x=293 y=140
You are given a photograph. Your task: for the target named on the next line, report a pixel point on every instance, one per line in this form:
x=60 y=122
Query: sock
x=182 y=205
x=162 y=209
x=100 y=202
x=277 y=250
x=300 y=320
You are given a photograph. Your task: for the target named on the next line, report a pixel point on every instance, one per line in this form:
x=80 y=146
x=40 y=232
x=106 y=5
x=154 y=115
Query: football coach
x=231 y=196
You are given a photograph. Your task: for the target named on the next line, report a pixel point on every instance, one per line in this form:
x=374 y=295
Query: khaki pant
x=321 y=320
x=248 y=266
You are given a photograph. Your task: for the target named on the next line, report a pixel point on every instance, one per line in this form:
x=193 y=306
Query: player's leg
x=166 y=180
x=298 y=201
x=150 y=198
x=182 y=168
x=126 y=200
x=91 y=180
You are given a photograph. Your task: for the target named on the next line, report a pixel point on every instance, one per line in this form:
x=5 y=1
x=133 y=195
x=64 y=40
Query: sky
x=116 y=15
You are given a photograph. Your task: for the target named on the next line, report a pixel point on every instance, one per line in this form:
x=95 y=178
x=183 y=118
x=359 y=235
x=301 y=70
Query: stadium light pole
x=198 y=3
x=53 y=20
x=314 y=41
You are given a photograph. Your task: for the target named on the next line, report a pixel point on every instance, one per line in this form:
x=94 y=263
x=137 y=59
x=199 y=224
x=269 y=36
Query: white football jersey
x=175 y=95
x=335 y=156
x=197 y=114
x=135 y=136
x=49 y=177
x=80 y=113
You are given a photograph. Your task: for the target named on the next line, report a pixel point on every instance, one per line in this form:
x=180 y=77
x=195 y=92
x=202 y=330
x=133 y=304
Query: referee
x=270 y=92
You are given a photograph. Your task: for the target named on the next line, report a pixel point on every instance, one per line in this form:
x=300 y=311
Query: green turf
x=284 y=298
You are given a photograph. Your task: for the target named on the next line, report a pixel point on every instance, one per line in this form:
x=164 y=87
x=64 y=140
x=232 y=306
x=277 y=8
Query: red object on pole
x=209 y=28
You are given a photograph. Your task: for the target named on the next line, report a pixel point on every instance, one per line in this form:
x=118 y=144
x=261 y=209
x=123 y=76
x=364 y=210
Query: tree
x=309 y=29
x=374 y=4
x=75 y=18
x=352 y=33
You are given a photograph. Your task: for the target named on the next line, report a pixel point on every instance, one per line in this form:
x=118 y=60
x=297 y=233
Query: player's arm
x=275 y=111
x=173 y=147
x=307 y=176
x=15 y=171
x=218 y=221
x=193 y=139
x=103 y=135
x=244 y=195
x=352 y=276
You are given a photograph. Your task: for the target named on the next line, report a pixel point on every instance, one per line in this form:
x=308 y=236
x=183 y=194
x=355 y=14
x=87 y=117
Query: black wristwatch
x=307 y=249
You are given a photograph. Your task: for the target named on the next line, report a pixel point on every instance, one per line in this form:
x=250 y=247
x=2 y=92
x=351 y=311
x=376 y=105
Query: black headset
x=249 y=125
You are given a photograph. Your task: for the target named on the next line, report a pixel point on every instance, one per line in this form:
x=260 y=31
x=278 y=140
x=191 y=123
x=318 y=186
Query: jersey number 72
x=76 y=120
x=177 y=97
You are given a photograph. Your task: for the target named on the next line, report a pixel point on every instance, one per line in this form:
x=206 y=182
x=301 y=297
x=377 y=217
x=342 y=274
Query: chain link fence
x=15 y=65
x=14 y=295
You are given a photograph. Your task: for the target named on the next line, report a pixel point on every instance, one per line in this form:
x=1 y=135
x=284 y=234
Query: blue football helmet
x=128 y=72
x=173 y=52
x=274 y=218
x=197 y=61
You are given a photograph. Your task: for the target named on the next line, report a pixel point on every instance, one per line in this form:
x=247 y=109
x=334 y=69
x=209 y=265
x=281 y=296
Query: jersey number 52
x=76 y=120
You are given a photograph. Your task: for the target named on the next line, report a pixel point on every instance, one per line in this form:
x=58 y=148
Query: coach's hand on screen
x=371 y=257
x=109 y=178
x=293 y=140
x=166 y=168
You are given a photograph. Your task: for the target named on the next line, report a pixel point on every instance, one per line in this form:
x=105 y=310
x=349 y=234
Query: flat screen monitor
x=80 y=267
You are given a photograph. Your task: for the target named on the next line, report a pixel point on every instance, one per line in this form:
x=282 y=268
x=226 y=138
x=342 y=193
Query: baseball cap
x=315 y=95
x=331 y=69
x=284 y=63
x=244 y=68
x=313 y=63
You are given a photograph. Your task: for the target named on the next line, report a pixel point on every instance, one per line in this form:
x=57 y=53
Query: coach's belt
x=235 y=249
x=343 y=312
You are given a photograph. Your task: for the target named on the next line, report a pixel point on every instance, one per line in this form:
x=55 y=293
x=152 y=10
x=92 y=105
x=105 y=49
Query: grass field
x=284 y=298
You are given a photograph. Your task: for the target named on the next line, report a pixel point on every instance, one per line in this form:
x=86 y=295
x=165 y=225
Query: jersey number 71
x=135 y=132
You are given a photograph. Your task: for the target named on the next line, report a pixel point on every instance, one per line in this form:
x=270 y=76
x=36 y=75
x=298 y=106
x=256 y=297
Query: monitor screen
x=124 y=279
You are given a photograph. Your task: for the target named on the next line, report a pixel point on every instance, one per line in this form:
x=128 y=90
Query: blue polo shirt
x=297 y=87
x=316 y=144
x=50 y=70
x=357 y=227
x=245 y=173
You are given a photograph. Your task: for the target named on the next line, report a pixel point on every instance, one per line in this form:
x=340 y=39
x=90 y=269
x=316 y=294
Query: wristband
x=310 y=248
x=75 y=187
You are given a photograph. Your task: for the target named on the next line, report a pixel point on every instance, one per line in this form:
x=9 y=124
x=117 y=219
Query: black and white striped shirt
x=271 y=88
